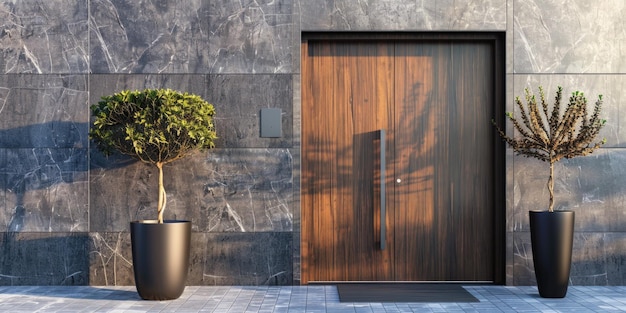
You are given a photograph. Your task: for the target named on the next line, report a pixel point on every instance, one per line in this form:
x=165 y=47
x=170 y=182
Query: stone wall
x=64 y=208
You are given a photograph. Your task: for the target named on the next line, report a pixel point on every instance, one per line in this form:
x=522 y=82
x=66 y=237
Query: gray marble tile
x=523 y=270
x=597 y=259
x=510 y=43
x=44 y=259
x=4 y=211
x=110 y=259
x=615 y=258
x=296 y=37
x=509 y=259
x=238 y=100
x=247 y=191
x=591 y=186
x=404 y=15
x=45 y=190
x=250 y=36
x=296 y=204
x=241 y=259
x=574 y=36
x=232 y=190
x=589 y=264
x=297 y=110
x=43 y=111
x=148 y=37
x=106 y=84
x=44 y=37
x=215 y=259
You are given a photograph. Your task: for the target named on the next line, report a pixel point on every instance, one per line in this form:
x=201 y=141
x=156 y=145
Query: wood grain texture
x=435 y=99
x=347 y=102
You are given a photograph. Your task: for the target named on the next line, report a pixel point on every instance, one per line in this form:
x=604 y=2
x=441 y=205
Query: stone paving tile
x=323 y=299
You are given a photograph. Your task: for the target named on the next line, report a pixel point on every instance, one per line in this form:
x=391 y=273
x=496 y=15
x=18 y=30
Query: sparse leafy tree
x=155 y=126
x=549 y=135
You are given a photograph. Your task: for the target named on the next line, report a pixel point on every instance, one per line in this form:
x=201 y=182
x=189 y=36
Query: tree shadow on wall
x=342 y=180
x=45 y=175
x=45 y=180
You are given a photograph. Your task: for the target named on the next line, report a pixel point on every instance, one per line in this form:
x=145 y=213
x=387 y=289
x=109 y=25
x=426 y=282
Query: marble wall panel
x=591 y=186
x=296 y=157
x=572 y=36
x=45 y=190
x=522 y=266
x=510 y=64
x=589 y=264
x=241 y=259
x=43 y=111
x=148 y=36
x=245 y=191
x=215 y=259
x=43 y=258
x=238 y=100
x=296 y=38
x=223 y=190
x=598 y=259
x=4 y=211
x=615 y=254
x=44 y=37
x=110 y=259
x=103 y=85
x=392 y=15
x=251 y=36
x=509 y=258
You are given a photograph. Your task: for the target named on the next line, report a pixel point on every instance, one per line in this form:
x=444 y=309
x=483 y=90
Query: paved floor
x=241 y=299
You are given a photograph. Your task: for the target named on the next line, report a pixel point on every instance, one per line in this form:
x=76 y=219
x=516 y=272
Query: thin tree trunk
x=551 y=187
x=162 y=195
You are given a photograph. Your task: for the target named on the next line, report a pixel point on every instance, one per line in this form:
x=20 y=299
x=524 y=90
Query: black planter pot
x=552 y=236
x=160 y=258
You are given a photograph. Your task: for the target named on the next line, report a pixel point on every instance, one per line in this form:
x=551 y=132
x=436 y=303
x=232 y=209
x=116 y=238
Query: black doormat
x=403 y=292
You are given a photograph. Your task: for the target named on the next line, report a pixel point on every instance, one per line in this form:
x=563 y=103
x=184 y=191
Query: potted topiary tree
x=156 y=126
x=550 y=136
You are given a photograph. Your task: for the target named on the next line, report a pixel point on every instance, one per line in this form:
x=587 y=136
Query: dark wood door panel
x=444 y=155
x=435 y=99
x=345 y=104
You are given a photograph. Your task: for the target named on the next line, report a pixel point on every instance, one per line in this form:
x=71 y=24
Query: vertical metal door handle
x=383 y=191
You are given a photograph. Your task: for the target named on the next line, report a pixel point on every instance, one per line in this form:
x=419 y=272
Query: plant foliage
x=155 y=126
x=549 y=135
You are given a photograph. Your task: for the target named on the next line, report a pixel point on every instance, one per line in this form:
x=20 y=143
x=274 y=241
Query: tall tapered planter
x=160 y=258
x=552 y=236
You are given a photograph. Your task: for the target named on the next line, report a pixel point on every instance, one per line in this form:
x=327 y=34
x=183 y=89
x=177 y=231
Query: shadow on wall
x=54 y=134
x=50 y=238
x=44 y=174
x=44 y=183
x=44 y=259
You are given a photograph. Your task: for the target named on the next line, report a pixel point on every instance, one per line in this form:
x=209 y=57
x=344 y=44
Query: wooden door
x=435 y=102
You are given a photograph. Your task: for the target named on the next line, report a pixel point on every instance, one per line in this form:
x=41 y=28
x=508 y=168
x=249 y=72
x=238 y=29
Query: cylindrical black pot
x=160 y=258
x=552 y=236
